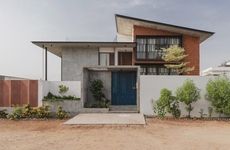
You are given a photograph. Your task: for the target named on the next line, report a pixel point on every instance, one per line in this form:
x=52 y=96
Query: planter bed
x=71 y=106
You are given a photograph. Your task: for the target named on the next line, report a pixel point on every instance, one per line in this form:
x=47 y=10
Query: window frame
x=109 y=53
x=180 y=37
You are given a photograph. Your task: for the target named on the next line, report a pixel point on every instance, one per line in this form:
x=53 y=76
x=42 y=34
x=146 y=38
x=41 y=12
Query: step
x=123 y=108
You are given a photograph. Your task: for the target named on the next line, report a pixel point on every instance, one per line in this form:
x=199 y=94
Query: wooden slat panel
x=1 y=93
x=33 y=93
x=7 y=93
x=16 y=93
x=24 y=92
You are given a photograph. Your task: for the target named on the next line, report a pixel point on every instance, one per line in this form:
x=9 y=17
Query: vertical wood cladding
x=18 y=93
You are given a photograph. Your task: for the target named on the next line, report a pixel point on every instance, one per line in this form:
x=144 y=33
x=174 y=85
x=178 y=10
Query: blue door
x=124 y=88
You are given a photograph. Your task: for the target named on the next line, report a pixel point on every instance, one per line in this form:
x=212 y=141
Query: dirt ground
x=157 y=134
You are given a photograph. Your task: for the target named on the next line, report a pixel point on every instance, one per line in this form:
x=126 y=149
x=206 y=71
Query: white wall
x=52 y=86
x=150 y=87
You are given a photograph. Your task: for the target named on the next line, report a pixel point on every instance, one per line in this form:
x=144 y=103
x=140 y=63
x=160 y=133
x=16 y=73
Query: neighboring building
x=138 y=51
x=3 y=77
x=223 y=69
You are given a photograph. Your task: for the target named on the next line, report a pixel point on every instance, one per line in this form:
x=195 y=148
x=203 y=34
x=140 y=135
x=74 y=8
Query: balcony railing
x=153 y=55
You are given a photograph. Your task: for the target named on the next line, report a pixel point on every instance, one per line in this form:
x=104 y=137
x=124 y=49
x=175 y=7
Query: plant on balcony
x=218 y=93
x=188 y=93
x=174 y=57
x=96 y=87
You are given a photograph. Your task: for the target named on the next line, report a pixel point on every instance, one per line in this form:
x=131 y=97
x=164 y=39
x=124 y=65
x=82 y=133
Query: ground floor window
x=106 y=59
x=156 y=70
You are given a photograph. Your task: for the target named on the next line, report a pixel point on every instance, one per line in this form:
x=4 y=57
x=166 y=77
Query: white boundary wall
x=52 y=86
x=150 y=87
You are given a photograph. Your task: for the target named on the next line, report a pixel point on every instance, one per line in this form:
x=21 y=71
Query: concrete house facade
x=137 y=51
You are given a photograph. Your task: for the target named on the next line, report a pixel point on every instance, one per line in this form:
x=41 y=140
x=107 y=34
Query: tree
x=218 y=93
x=188 y=93
x=174 y=55
x=167 y=103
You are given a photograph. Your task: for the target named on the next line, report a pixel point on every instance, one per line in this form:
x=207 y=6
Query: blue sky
x=27 y=20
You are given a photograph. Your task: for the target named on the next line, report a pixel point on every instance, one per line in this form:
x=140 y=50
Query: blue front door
x=124 y=88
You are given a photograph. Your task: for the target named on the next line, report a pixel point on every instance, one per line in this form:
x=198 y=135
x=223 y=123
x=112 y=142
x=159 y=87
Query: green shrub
x=63 y=89
x=28 y=112
x=218 y=93
x=51 y=97
x=188 y=93
x=3 y=113
x=96 y=90
x=42 y=112
x=16 y=114
x=61 y=114
x=167 y=103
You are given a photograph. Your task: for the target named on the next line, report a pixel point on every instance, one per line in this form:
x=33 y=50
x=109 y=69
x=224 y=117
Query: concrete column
x=116 y=56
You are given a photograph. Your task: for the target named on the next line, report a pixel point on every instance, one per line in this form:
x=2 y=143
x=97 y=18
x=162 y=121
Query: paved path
x=107 y=118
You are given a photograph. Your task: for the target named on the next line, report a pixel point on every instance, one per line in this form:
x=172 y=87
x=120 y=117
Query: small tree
x=63 y=89
x=174 y=55
x=167 y=103
x=218 y=93
x=188 y=93
x=96 y=88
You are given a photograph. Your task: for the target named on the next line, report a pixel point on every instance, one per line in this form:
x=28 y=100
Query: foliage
x=96 y=88
x=61 y=114
x=174 y=56
x=28 y=111
x=63 y=89
x=3 y=113
x=16 y=114
x=218 y=93
x=188 y=93
x=167 y=103
x=42 y=112
x=50 y=96
x=210 y=111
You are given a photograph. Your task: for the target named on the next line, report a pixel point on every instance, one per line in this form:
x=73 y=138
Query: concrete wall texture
x=150 y=87
x=73 y=61
x=190 y=44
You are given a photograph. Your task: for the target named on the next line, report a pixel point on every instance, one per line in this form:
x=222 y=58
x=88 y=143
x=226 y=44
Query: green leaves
x=188 y=93
x=167 y=103
x=218 y=93
x=63 y=89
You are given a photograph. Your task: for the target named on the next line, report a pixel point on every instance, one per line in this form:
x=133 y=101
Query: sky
x=23 y=21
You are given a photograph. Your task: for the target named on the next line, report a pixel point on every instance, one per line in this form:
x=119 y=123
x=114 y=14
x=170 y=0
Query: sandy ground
x=157 y=134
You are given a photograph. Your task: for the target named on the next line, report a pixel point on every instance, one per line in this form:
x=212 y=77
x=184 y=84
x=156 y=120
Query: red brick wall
x=191 y=45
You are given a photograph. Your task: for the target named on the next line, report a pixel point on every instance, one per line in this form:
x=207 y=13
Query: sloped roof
x=124 y=25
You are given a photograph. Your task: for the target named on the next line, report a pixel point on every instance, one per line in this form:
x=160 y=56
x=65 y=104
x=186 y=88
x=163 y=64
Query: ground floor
x=157 y=134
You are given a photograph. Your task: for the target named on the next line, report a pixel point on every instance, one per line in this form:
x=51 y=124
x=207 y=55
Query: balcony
x=153 y=55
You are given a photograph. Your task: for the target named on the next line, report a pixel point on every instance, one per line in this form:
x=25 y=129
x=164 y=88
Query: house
x=137 y=51
x=223 y=69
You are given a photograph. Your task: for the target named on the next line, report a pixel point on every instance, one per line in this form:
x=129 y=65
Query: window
x=106 y=59
x=151 y=47
x=156 y=70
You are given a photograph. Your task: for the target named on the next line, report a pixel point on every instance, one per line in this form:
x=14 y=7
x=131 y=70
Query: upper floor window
x=106 y=59
x=152 y=47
